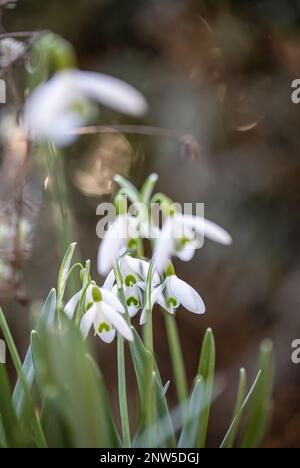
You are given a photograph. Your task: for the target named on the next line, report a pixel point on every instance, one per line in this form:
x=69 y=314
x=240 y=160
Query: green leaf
x=35 y=423
x=63 y=274
x=148 y=187
x=237 y=413
x=260 y=411
x=123 y=394
x=8 y=418
x=128 y=188
x=230 y=436
x=165 y=431
x=206 y=371
x=193 y=413
x=46 y=318
x=107 y=405
x=73 y=392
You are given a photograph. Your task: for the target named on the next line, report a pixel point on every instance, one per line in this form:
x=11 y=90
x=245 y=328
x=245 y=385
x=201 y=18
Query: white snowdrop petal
x=186 y=253
x=112 y=92
x=132 y=311
x=143 y=318
x=157 y=292
x=164 y=247
x=70 y=307
x=112 y=244
x=51 y=111
x=186 y=295
x=208 y=229
x=88 y=320
x=156 y=297
x=89 y=295
x=107 y=336
x=110 y=299
x=110 y=281
x=48 y=111
x=117 y=321
x=161 y=301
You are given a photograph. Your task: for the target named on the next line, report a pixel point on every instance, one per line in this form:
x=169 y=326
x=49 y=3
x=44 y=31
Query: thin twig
x=190 y=143
x=19 y=34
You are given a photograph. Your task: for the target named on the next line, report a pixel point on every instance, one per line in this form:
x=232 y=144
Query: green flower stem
x=123 y=394
x=148 y=341
x=148 y=329
x=177 y=358
x=54 y=164
x=121 y=367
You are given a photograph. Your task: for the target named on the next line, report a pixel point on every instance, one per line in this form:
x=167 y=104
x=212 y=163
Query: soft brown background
x=223 y=74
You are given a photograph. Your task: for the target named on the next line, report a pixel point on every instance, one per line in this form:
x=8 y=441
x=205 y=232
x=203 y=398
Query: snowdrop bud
x=96 y=294
x=121 y=203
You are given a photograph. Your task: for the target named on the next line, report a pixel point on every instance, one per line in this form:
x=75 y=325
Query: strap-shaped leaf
x=73 y=391
x=165 y=435
x=241 y=393
x=63 y=273
x=193 y=414
x=259 y=414
x=206 y=371
x=8 y=418
x=47 y=318
x=241 y=405
x=128 y=188
x=32 y=416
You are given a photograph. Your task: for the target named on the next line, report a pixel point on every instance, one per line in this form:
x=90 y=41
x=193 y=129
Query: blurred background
x=222 y=72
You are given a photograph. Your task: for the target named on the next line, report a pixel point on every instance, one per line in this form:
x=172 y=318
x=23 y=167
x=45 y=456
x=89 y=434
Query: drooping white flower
x=174 y=292
x=113 y=243
x=134 y=274
x=104 y=315
x=120 y=236
x=182 y=234
x=59 y=106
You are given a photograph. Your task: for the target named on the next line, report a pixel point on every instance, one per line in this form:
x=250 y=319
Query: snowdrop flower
x=134 y=274
x=59 y=106
x=123 y=233
x=174 y=292
x=182 y=234
x=104 y=314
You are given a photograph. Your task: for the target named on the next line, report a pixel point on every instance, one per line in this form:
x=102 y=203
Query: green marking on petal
x=132 y=243
x=132 y=301
x=130 y=280
x=104 y=327
x=172 y=302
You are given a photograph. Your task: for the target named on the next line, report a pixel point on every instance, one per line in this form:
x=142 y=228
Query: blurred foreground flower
x=10 y=51
x=181 y=235
x=59 y=106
